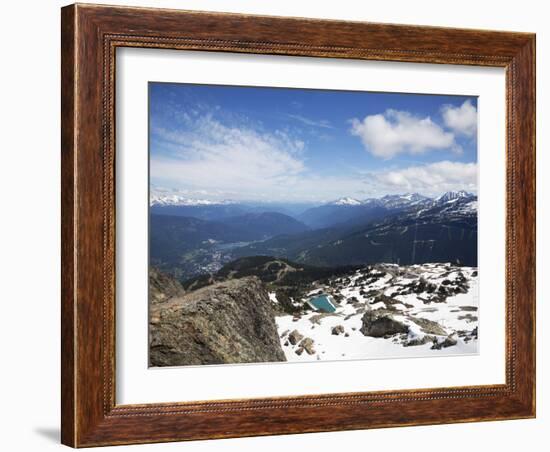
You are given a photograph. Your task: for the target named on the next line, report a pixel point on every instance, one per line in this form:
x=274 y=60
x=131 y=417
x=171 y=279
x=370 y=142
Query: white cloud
x=323 y=123
x=430 y=179
x=209 y=159
x=214 y=156
x=396 y=132
x=462 y=120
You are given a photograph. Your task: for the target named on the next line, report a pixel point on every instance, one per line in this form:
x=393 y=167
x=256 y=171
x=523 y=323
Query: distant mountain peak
x=347 y=201
x=405 y=196
x=452 y=195
x=398 y=201
x=414 y=196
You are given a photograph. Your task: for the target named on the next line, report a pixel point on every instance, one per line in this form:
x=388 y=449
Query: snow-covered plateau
x=386 y=311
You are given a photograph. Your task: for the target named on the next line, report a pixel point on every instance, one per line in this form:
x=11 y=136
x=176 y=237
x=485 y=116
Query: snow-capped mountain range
x=453 y=195
x=387 y=201
x=404 y=200
x=347 y=201
x=177 y=200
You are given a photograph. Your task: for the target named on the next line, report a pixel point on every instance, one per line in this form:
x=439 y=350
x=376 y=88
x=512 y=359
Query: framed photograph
x=282 y=225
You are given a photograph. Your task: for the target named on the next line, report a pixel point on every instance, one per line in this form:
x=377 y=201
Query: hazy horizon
x=165 y=192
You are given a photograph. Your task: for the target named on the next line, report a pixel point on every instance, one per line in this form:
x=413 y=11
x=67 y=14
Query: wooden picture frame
x=90 y=36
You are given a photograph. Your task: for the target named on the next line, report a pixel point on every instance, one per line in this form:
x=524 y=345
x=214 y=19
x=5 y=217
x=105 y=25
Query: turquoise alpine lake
x=322 y=303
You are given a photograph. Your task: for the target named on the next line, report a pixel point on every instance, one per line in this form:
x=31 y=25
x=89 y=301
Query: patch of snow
x=453 y=195
x=357 y=293
x=347 y=201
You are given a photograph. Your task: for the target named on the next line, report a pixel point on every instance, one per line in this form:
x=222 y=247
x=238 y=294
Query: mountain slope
x=290 y=245
x=330 y=215
x=403 y=201
x=170 y=237
x=270 y=270
x=352 y=211
x=265 y=224
x=443 y=230
x=210 y=212
x=186 y=246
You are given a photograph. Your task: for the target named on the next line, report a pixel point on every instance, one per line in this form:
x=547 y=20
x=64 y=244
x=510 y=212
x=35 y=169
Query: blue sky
x=278 y=144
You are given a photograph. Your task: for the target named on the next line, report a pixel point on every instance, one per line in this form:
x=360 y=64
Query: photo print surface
x=298 y=225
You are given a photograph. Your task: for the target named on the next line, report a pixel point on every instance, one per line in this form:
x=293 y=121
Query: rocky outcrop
x=449 y=341
x=295 y=337
x=428 y=326
x=163 y=287
x=381 y=323
x=227 y=322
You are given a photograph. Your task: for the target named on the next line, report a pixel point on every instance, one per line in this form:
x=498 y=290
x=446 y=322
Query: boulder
x=337 y=330
x=307 y=345
x=381 y=323
x=295 y=337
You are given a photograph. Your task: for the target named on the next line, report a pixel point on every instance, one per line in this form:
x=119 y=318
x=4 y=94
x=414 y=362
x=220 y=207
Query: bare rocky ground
x=381 y=311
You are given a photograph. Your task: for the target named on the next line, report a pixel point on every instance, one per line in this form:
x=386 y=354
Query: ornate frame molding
x=90 y=37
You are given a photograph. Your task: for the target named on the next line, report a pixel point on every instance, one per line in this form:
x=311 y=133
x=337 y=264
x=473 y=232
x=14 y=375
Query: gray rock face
x=429 y=326
x=295 y=337
x=163 y=287
x=420 y=341
x=228 y=322
x=380 y=323
x=448 y=342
